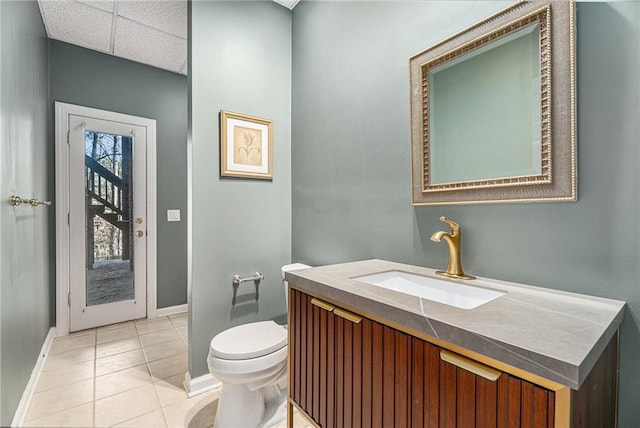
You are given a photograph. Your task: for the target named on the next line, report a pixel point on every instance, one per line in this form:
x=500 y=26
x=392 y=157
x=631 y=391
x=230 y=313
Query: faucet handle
x=453 y=226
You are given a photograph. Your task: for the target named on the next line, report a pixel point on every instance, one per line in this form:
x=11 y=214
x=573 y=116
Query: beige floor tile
x=163 y=350
x=196 y=412
x=124 y=380
x=52 y=378
x=299 y=421
x=116 y=326
x=105 y=336
x=125 y=406
x=170 y=366
x=69 y=358
x=180 y=321
x=56 y=400
x=184 y=332
x=159 y=337
x=155 y=325
x=119 y=362
x=81 y=416
x=67 y=343
x=154 y=419
x=117 y=347
x=149 y=320
x=170 y=390
x=86 y=332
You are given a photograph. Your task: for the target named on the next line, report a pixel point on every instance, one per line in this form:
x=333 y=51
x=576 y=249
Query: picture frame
x=246 y=146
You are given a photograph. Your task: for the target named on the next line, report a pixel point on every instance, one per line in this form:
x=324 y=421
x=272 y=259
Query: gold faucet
x=454 y=268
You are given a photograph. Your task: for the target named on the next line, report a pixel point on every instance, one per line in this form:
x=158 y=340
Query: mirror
x=493 y=110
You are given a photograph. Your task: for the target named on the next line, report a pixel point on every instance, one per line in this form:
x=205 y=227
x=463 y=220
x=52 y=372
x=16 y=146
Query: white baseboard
x=200 y=384
x=30 y=389
x=171 y=310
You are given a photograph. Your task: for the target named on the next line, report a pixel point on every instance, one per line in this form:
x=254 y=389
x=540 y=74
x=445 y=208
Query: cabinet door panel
x=487 y=403
x=540 y=407
x=551 y=405
x=339 y=362
x=324 y=350
x=468 y=400
x=509 y=403
x=425 y=384
x=311 y=355
x=377 y=399
x=304 y=299
x=448 y=395
x=418 y=386
x=528 y=413
x=432 y=385
x=348 y=374
x=315 y=395
x=331 y=370
x=294 y=326
x=402 y=380
x=356 y=420
x=465 y=398
x=534 y=406
x=367 y=373
x=388 y=377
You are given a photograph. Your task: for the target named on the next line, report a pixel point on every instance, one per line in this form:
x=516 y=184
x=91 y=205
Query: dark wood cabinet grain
x=366 y=374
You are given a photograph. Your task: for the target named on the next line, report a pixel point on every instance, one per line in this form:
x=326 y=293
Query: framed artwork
x=246 y=146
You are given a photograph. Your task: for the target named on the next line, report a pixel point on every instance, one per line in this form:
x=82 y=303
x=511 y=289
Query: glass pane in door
x=108 y=211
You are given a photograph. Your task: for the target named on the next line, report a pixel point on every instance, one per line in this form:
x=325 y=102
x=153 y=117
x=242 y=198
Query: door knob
x=139 y=234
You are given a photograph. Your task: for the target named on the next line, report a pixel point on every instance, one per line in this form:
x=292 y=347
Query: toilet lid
x=249 y=341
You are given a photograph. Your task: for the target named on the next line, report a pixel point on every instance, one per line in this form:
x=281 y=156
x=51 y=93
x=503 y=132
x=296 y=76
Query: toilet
x=250 y=361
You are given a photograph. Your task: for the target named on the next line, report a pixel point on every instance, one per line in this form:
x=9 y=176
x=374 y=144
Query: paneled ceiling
x=153 y=32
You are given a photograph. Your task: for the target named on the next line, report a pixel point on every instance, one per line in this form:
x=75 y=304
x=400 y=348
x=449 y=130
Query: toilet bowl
x=250 y=361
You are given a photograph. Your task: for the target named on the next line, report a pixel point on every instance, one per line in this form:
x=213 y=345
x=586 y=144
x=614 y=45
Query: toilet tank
x=289 y=268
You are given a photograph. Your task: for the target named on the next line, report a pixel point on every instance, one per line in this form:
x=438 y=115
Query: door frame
x=62 y=113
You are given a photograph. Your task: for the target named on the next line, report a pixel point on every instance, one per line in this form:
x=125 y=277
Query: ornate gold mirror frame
x=556 y=175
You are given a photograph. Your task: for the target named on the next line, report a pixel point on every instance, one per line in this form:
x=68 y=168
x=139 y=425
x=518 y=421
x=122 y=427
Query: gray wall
x=350 y=157
x=24 y=232
x=92 y=79
x=240 y=61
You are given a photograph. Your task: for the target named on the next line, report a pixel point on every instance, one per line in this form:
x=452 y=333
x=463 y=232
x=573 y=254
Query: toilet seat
x=248 y=371
x=254 y=354
x=249 y=341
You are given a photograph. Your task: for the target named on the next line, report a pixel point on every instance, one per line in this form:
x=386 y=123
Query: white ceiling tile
x=289 y=4
x=106 y=5
x=166 y=15
x=77 y=24
x=143 y=44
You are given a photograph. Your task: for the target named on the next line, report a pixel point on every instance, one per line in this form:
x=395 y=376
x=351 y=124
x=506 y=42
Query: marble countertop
x=553 y=334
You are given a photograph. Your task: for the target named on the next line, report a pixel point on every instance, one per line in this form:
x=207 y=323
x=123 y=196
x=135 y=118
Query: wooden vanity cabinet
x=349 y=371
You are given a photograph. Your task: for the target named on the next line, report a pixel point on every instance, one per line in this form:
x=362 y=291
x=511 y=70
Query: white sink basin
x=449 y=292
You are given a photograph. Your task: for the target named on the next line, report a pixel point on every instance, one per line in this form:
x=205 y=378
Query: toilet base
x=274 y=414
x=239 y=407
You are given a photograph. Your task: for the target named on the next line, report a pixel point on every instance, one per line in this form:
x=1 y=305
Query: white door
x=107 y=222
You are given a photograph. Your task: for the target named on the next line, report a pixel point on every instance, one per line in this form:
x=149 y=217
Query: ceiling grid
x=152 y=32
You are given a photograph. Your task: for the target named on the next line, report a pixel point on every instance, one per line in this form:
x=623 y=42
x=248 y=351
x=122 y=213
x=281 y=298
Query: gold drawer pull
x=347 y=315
x=470 y=365
x=324 y=305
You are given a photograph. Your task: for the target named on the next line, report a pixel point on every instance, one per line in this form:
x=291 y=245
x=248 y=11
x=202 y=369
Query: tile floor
x=124 y=375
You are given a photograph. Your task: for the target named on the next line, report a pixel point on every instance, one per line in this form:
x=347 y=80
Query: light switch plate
x=173 y=215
